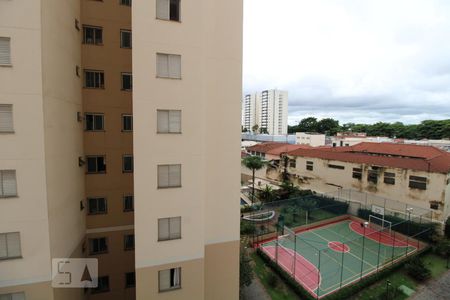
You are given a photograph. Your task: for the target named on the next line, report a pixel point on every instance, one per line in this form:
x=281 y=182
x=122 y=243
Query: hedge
x=331 y=205
x=343 y=293
x=401 y=225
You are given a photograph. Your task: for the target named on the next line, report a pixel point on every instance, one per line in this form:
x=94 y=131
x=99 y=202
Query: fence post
x=342 y=265
x=318 y=276
x=393 y=248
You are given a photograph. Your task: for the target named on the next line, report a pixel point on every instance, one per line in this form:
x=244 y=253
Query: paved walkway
x=435 y=290
x=256 y=291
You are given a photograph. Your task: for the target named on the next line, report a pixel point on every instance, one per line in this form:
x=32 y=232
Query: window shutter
x=164 y=280
x=6 y=118
x=175 y=66
x=175 y=175
x=163 y=176
x=3 y=252
x=5 y=51
x=163 y=121
x=162 y=62
x=13 y=240
x=9 y=183
x=163 y=229
x=175 y=227
x=174 y=121
x=162 y=9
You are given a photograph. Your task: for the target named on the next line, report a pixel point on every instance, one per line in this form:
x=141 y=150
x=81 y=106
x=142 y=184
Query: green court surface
x=335 y=255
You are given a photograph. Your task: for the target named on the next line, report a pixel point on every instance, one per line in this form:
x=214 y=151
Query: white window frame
x=165 y=67
x=174 y=234
x=5 y=58
x=97 y=199
x=125 y=156
x=94 y=122
x=124 y=116
x=125 y=239
x=163 y=10
x=4 y=237
x=124 y=203
x=122 y=75
x=96 y=239
x=166 y=274
x=122 y=31
x=97 y=169
x=95 y=28
x=167 y=170
x=99 y=79
x=125 y=2
x=2 y=183
x=166 y=121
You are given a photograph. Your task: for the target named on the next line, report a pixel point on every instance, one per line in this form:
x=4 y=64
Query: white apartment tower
x=267 y=109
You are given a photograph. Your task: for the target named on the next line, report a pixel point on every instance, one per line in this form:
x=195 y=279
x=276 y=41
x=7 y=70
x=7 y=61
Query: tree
x=328 y=126
x=253 y=163
x=255 y=128
x=308 y=125
x=263 y=130
x=245 y=269
x=267 y=194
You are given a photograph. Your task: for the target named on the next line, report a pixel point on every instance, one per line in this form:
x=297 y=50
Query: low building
x=411 y=174
x=310 y=138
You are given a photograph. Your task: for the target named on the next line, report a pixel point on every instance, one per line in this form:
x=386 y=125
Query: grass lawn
x=281 y=291
x=435 y=263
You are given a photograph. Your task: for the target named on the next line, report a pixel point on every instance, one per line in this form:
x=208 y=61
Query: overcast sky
x=352 y=60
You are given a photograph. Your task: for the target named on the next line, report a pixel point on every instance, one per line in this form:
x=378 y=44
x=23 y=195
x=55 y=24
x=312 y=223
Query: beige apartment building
x=411 y=174
x=87 y=160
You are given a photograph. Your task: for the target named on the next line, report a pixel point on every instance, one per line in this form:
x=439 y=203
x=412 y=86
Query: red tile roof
x=274 y=148
x=415 y=157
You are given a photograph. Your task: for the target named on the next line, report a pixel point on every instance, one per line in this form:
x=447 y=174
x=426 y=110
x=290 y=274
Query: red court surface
x=338 y=247
x=380 y=237
x=305 y=272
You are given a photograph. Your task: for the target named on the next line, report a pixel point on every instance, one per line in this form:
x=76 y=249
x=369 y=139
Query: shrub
x=417 y=269
x=447 y=228
x=247 y=228
x=272 y=279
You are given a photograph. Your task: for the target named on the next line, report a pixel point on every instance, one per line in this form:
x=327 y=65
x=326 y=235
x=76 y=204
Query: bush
x=447 y=228
x=417 y=269
x=272 y=280
x=247 y=228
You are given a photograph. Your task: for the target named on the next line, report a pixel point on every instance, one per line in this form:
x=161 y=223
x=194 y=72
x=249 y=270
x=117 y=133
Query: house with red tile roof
x=412 y=174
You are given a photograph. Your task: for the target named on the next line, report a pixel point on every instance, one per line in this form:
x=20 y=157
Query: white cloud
x=355 y=60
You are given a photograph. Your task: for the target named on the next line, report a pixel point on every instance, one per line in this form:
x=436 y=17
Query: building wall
x=209 y=95
x=113 y=143
x=312 y=139
x=325 y=179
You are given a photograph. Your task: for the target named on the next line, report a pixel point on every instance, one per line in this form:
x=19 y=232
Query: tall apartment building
x=70 y=171
x=267 y=109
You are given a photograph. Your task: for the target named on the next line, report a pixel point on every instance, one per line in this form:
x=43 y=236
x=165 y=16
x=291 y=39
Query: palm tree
x=267 y=194
x=253 y=163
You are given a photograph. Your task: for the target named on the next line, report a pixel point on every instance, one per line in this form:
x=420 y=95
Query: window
x=127 y=163
x=92 y=35
x=389 y=178
x=128 y=203
x=10 y=245
x=292 y=163
x=372 y=176
x=125 y=2
x=169 y=121
x=169 y=279
x=168 y=66
x=336 y=167
x=5 y=51
x=125 y=39
x=8 y=184
x=417 y=182
x=6 y=118
x=130 y=279
x=13 y=296
x=434 y=204
x=169 y=176
x=94 y=122
x=96 y=164
x=98 y=246
x=103 y=285
x=357 y=173
x=129 y=242
x=97 y=206
x=169 y=229
x=168 y=10
x=94 y=79
x=309 y=165
x=127 y=123
x=127 y=81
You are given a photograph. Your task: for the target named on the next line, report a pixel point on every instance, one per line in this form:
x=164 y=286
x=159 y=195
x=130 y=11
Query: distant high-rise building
x=267 y=109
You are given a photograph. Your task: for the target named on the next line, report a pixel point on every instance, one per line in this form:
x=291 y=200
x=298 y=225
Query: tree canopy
x=428 y=129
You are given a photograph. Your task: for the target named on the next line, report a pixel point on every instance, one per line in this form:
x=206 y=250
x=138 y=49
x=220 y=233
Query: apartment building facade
x=70 y=143
x=267 y=109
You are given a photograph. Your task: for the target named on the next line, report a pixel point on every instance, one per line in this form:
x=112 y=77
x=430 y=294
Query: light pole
x=409 y=209
x=362 y=255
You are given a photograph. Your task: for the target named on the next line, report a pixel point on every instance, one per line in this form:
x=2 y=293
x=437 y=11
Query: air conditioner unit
x=81 y=161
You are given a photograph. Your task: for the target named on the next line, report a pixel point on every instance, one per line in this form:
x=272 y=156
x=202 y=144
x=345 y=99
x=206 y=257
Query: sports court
x=330 y=256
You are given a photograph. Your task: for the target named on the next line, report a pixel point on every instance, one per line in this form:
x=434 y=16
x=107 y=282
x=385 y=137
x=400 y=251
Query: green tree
x=308 y=125
x=267 y=194
x=253 y=163
x=255 y=128
x=328 y=126
x=263 y=130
